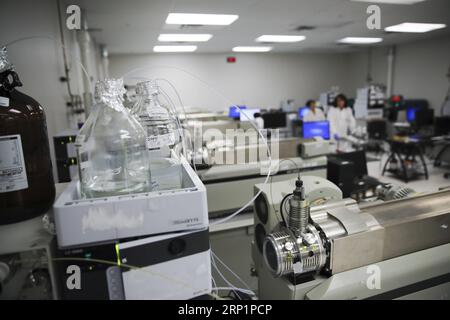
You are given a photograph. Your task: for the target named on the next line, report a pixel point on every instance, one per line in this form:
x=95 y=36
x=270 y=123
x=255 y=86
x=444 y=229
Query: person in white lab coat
x=342 y=121
x=313 y=113
x=259 y=121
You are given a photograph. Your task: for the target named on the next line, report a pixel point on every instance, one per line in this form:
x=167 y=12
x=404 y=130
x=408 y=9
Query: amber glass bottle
x=27 y=189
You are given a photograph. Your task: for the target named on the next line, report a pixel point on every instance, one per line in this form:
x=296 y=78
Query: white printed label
x=4 y=101
x=13 y=175
x=156 y=142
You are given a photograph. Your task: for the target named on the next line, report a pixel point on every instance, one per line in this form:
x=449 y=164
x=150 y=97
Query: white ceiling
x=133 y=26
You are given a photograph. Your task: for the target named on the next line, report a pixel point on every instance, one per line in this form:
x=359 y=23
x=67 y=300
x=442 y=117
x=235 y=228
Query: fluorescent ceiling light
x=252 y=49
x=201 y=19
x=279 y=38
x=184 y=37
x=360 y=40
x=392 y=1
x=174 y=48
x=415 y=27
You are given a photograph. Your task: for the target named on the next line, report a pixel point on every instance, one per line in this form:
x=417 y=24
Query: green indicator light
x=118 y=255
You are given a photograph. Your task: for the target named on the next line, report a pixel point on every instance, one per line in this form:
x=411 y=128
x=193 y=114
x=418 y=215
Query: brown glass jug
x=27 y=188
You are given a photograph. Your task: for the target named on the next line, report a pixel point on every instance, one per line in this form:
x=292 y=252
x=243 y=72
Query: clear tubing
x=234 y=289
x=180 y=128
x=214 y=284
x=220 y=273
x=178 y=120
x=86 y=74
x=175 y=112
x=213 y=259
x=231 y=271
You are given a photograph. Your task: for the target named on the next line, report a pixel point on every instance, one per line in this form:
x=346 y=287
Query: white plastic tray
x=84 y=221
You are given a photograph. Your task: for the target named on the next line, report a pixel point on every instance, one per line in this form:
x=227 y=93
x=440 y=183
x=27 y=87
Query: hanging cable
x=231 y=271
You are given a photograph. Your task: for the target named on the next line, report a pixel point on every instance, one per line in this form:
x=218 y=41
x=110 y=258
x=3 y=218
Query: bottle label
x=4 y=101
x=13 y=175
x=156 y=142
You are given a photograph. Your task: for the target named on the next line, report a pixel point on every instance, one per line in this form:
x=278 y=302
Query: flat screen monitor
x=420 y=117
x=302 y=112
x=411 y=114
x=248 y=114
x=316 y=129
x=424 y=117
x=274 y=120
x=234 y=112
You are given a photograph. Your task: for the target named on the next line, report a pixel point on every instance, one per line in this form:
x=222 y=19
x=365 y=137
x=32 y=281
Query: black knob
x=177 y=246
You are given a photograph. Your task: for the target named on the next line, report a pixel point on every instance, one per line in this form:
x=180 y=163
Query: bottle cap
x=4 y=61
x=110 y=92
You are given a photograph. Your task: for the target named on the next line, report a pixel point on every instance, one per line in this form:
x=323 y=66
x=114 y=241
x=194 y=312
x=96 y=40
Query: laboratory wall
x=257 y=80
x=420 y=71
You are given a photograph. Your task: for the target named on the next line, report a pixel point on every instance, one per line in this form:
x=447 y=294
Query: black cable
x=282 y=207
x=270 y=187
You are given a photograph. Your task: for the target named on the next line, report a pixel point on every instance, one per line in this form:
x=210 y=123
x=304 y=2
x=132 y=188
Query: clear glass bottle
x=162 y=135
x=112 y=155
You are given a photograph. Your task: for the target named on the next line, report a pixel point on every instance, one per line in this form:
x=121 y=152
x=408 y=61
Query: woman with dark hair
x=342 y=121
x=313 y=113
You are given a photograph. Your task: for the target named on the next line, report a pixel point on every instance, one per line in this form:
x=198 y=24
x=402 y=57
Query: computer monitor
x=424 y=117
x=359 y=160
x=234 y=112
x=248 y=114
x=411 y=114
x=420 y=117
x=316 y=129
x=274 y=120
x=302 y=112
x=415 y=103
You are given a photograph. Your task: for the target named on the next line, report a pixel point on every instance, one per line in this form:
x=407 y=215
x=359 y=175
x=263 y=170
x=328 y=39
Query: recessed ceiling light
x=415 y=27
x=252 y=49
x=279 y=38
x=174 y=48
x=184 y=37
x=201 y=19
x=392 y=1
x=360 y=40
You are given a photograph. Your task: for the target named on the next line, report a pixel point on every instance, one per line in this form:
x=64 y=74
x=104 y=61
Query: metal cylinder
x=284 y=253
x=298 y=215
x=279 y=250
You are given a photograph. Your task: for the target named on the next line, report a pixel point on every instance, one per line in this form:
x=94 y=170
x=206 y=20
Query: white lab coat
x=259 y=123
x=314 y=116
x=342 y=122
